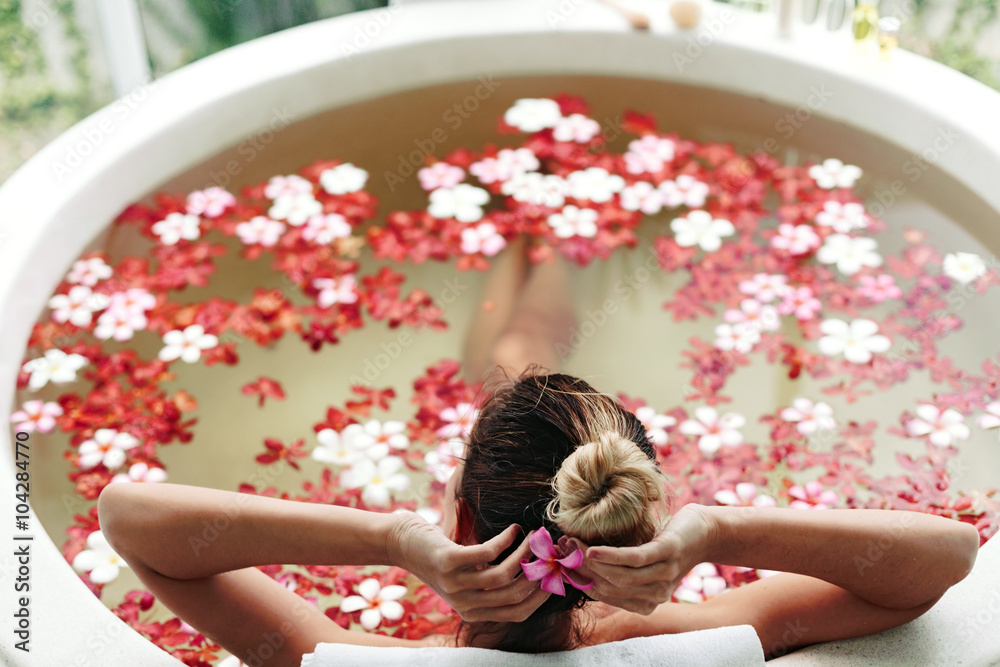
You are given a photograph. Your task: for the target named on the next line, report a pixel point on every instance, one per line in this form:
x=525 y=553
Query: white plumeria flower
x=812 y=496
x=377 y=478
x=944 y=427
x=377 y=601
x=535 y=188
x=648 y=153
x=856 y=341
x=574 y=221
x=343 y=178
x=459 y=421
x=260 y=229
x=715 y=431
x=441 y=462
x=56 y=366
x=739 y=338
x=295 y=209
x=684 y=190
x=532 y=115
x=343 y=289
x=187 y=344
x=796 y=239
x=89 y=271
x=483 y=238
x=78 y=306
x=390 y=433
x=745 y=495
x=989 y=420
x=99 y=559
x=36 y=415
x=326 y=228
x=283 y=186
x=809 y=417
x=642 y=196
x=356 y=437
x=656 y=424
x=505 y=165
x=120 y=324
x=834 y=174
x=843 y=218
x=754 y=314
x=108 y=446
x=211 y=202
x=594 y=183
x=134 y=299
x=765 y=287
x=141 y=472
x=848 y=253
x=335 y=449
x=576 y=127
x=177 y=226
x=963 y=266
x=699 y=228
x=440 y=175
x=463 y=202
x=701 y=583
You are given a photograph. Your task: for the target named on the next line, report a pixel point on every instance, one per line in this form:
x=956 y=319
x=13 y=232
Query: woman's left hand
x=462 y=575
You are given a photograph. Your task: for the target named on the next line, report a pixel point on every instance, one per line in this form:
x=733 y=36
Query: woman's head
x=549 y=450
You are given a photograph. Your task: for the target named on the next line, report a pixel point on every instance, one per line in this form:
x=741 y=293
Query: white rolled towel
x=732 y=646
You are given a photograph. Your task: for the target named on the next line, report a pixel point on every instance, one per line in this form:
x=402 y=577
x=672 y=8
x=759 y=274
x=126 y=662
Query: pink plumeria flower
x=89 y=271
x=177 y=226
x=141 y=472
x=120 y=324
x=508 y=163
x=281 y=186
x=441 y=462
x=575 y=127
x=648 y=153
x=377 y=601
x=260 y=229
x=36 y=415
x=78 y=306
x=739 y=338
x=701 y=583
x=440 y=175
x=765 y=287
x=460 y=420
x=656 y=424
x=187 y=344
x=553 y=563
x=343 y=289
x=944 y=427
x=210 y=203
x=482 y=238
x=684 y=190
x=843 y=218
x=879 y=288
x=801 y=301
x=809 y=417
x=642 y=196
x=811 y=497
x=715 y=431
x=796 y=239
x=326 y=228
x=992 y=418
x=108 y=446
x=754 y=314
x=134 y=299
x=745 y=495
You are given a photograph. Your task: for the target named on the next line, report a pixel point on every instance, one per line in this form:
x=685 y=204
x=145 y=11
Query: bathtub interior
x=618 y=357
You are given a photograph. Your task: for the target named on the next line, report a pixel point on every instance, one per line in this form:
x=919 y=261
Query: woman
x=546 y=451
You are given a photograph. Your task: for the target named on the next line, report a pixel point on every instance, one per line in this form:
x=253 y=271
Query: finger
x=644 y=607
x=628 y=577
x=499 y=575
x=487 y=552
x=511 y=613
x=511 y=594
x=640 y=556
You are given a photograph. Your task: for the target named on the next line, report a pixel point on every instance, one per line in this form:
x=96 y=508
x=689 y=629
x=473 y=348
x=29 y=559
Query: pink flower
x=260 y=229
x=89 y=271
x=336 y=290
x=507 y=164
x=796 y=239
x=36 y=414
x=765 y=287
x=440 y=175
x=459 y=421
x=811 y=497
x=576 y=127
x=326 y=228
x=280 y=186
x=991 y=420
x=210 y=203
x=801 y=301
x=553 y=563
x=879 y=288
x=843 y=218
x=745 y=495
x=482 y=238
x=642 y=196
x=755 y=315
x=684 y=190
x=648 y=154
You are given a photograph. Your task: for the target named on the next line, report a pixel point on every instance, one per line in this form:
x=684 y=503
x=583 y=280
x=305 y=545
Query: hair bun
x=606 y=492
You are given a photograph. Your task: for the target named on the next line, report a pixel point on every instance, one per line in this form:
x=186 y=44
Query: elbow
x=113 y=517
x=966 y=549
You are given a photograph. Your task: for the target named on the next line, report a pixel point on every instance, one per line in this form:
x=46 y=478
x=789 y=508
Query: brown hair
x=549 y=450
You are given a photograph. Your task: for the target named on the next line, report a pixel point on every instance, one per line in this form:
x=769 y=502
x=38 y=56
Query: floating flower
x=535 y=188
x=390 y=433
x=843 y=218
x=177 y=226
x=801 y=301
x=463 y=202
x=648 y=154
x=440 y=175
x=120 y=324
x=594 y=183
x=187 y=344
x=141 y=472
x=834 y=174
x=642 y=196
x=812 y=496
x=796 y=239
x=963 y=266
x=576 y=127
x=944 y=427
x=99 y=559
x=573 y=221
x=507 y=163
x=656 y=424
x=992 y=418
x=133 y=300
x=295 y=209
x=701 y=583
x=78 y=306
x=343 y=178
x=745 y=495
x=441 y=462
x=343 y=289
x=260 y=229
x=482 y=238
x=36 y=415
x=89 y=271
x=108 y=446
x=56 y=366
x=211 y=202
x=553 y=563
x=856 y=341
x=753 y=313
x=377 y=478
x=809 y=417
x=377 y=601
x=459 y=420
x=532 y=115
x=335 y=449
x=848 y=253
x=765 y=287
x=684 y=190
x=879 y=288
x=283 y=186
x=715 y=431
x=739 y=338
x=699 y=228
x=326 y=228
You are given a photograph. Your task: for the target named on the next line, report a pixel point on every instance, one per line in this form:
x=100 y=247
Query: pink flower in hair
x=553 y=562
